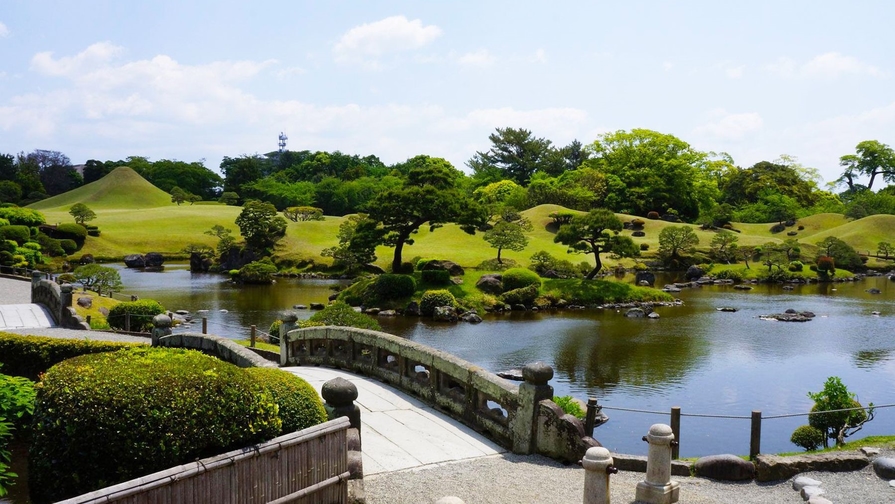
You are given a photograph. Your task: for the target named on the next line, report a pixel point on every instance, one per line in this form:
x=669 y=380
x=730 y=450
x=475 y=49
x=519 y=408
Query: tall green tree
x=515 y=154
x=260 y=226
x=871 y=159
x=358 y=237
x=508 y=234
x=650 y=171
x=243 y=170
x=429 y=194
x=724 y=247
x=590 y=233
x=749 y=185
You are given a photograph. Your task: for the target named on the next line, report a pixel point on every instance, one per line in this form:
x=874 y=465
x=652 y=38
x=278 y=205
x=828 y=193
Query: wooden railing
x=309 y=466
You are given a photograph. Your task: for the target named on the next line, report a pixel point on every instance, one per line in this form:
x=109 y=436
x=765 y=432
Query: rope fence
x=756 y=418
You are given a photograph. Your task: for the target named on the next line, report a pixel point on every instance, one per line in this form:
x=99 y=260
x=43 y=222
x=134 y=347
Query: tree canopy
x=260 y=225
x=590 y=233
x=871 y=159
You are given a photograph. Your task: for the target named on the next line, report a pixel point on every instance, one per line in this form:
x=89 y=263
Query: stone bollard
x=598 y=466
x=658 y=487
x=339 y=395
x=161 y=326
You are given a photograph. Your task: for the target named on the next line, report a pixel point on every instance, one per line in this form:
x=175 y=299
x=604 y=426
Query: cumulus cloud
x=735 y=72
x=4 y=31
x=730 y=126
x=368 y=43
x=93 y=57
x=480 y=58
x=540 y=56
x=828 y=65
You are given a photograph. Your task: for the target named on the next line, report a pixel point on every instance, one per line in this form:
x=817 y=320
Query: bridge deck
x=400 y=432
x=24 y=316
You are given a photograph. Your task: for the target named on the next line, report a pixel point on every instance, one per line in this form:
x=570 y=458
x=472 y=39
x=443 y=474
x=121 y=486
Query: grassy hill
x=137 y=217
x=122 y=189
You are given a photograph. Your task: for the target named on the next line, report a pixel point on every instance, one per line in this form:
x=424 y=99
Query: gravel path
x=535 y=479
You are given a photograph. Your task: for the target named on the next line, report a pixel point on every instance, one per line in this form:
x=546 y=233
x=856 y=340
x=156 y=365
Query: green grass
x=97 y=319
x=887 y=442
x=137 y=217
x=259 y=344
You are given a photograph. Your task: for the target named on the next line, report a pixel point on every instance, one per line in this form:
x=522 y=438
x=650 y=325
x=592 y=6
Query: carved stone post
x=161 y=326
x=531 y=392
x=290 y=322
x=598 y=466
x=658 y=487
x=35 y=281
x=339 y=395
x=64 y=305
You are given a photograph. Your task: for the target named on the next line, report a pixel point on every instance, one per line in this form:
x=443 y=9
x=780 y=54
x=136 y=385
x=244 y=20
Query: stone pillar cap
x=161 y=320
x=339 y=392
x=290 y=316
x=537 y=373
x=597 y=458
x=660 y=434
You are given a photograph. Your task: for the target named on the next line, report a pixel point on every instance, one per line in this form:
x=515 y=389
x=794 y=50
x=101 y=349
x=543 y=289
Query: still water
x=705 y=361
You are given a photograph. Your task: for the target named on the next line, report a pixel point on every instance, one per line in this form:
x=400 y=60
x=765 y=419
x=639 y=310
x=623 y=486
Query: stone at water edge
x=810 y=492
x=870 y=451
x=725 y=468
x=801 y=482
x=884 y=467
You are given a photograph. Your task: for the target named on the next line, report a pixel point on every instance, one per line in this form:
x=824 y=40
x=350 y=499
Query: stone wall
x=223 y=348
x=57 y=298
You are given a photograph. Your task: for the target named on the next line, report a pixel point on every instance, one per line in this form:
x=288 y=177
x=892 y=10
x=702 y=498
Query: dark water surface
x=695 y=357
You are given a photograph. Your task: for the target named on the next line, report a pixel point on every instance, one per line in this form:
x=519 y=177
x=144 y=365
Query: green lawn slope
x=137 y=217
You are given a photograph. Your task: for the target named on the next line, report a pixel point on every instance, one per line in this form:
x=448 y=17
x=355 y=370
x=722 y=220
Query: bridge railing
x=519 y=417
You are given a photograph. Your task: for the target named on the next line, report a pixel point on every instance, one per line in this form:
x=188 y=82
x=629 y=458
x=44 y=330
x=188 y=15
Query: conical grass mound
x=122 y=189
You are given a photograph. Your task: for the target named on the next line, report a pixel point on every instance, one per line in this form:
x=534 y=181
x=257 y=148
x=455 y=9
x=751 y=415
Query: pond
x=705 y=361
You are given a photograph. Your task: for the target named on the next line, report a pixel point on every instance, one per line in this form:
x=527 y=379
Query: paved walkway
x=24 y=316
x=400 y=432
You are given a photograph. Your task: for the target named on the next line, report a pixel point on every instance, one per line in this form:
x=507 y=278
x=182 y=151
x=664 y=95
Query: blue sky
x=202 y=80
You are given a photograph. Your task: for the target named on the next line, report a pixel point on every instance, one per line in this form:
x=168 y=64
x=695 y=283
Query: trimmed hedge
x=29 y=356
x=68 y=246
x=257 y=272
x=141 y=313
x=436 y=277
x=70 y=231
x=299 y=405
x=517 y=278
x=340 y=314
x=433 y=299
x=524 y=295
x=105 y=418
x=388 y=287
x=18 y=234
x=22 y=216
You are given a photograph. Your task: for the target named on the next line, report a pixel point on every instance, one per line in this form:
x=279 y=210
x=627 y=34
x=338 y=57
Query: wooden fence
x=309 y=466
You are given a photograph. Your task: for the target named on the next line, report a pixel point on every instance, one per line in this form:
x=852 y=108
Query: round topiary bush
x=141 y=313
x=18 y=234
x=433 y=299
x=436 y=277
x=523 y=295
x=341 y=314
x=104 y=418
x=652 y=215
x=517 y=278
x=75 y=232
x=807 y=437
x=388 y=287
x=299 y=405
x=69 y=246
x=644 y=246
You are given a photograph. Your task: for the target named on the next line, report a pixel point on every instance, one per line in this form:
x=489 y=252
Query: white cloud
x=367 y=43
x=728 y=126
x=834 y=64
x=480 y=58
x=667 y=66
x=735 y=72
x=4 y=31
x=540 y=56
x=828 y=65
x=94 y=56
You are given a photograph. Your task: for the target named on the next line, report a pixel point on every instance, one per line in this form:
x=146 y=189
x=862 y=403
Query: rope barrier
x=739 y=417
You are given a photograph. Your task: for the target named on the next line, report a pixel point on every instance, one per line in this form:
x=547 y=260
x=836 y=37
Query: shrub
x=433 y=299
x=561 y=217
x=652 y=215
x=435 y=277
x=836 y=424
x=257 y=272
x=570 y=406
x=94 y=232
x=340 y=314
x=523 y=295
x=727 y=274
x=825 y=265
x=644 y=246
x=18 y=234
x=141 y=313
x=637 y=224
x=105 y=418
x=8 y=245
x=17 y=401
x=422 y=263
x=69 y=247
x=796 y=266
x=807 y=437
x=299 y=405
x=51 y=246
x=22 y=216
x=70 y=231
x=517 y=278
x=6 y=476
x=390 y=286
x=274 y=331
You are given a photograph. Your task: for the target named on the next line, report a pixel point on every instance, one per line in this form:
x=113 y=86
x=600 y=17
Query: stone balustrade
x=522 y=418
x=57 y=298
